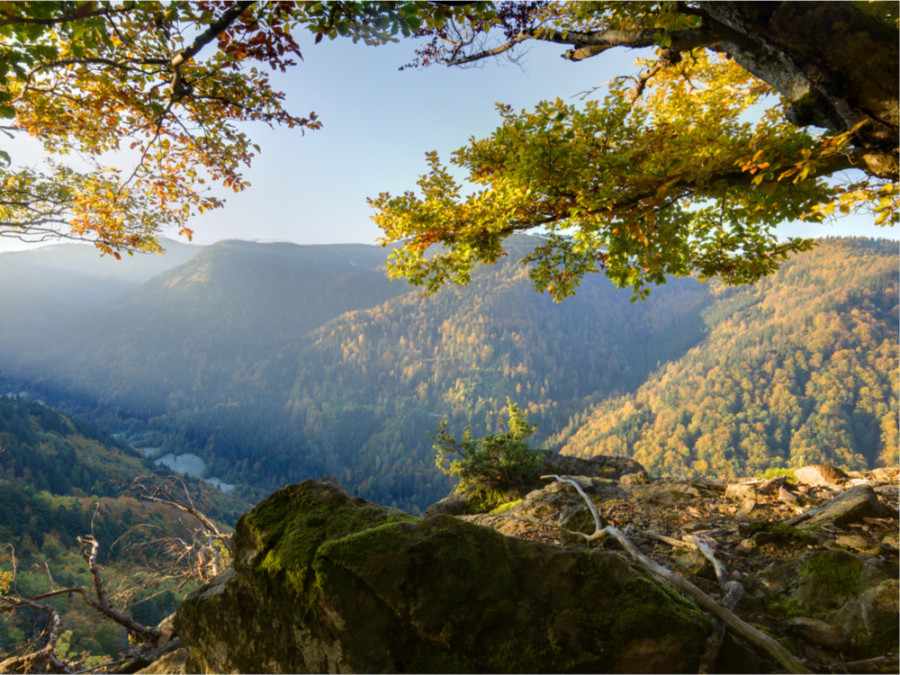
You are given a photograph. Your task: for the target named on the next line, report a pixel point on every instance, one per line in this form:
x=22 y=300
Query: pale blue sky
x=378 y=124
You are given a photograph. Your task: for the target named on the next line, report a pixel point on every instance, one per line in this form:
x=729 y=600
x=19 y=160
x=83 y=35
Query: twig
x=738 y=625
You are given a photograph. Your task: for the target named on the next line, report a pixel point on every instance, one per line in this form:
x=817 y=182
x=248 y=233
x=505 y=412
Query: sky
x=378 y=123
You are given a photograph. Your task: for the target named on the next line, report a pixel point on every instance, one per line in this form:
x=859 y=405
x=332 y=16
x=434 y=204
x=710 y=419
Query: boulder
x=324 y=582
x=849 y=507
x=872 y=619
x=857 y=595
x=667 y=492
x=601 y=466
x=819 y=474
x=557 y=505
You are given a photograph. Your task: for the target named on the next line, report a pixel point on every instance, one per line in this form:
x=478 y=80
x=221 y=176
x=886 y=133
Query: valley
x=272 y=363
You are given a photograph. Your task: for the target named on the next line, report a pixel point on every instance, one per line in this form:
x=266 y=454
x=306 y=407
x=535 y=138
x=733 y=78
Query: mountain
x=801 y=368
x=44 y=287
x=194 y=328
x=277 y=362
x=370 y=386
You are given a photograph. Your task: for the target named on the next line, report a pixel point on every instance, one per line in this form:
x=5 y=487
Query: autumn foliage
x=746 y=115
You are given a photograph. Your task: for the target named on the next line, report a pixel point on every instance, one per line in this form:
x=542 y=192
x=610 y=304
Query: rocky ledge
x=327 y=582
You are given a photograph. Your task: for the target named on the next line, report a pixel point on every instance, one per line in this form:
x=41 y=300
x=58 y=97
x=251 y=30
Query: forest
x=63 y=478
x=799 y=367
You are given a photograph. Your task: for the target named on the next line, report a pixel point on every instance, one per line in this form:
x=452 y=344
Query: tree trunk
x=834 y=62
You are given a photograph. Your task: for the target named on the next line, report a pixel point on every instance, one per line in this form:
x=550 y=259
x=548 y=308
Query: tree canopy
x=142 y=104
x=745 y=116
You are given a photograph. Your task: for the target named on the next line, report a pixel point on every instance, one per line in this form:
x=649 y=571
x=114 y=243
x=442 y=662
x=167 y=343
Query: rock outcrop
x=326 y=582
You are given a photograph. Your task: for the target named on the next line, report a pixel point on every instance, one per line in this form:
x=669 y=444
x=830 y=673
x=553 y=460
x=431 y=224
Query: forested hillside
x=799 y=369
x=275 y=363
x=62 y=478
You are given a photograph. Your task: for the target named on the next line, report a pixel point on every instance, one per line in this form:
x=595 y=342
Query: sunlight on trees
x=665 y=175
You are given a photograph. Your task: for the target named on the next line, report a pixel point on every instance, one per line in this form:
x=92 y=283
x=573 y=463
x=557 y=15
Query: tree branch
x=216 y=28
x=588 y=44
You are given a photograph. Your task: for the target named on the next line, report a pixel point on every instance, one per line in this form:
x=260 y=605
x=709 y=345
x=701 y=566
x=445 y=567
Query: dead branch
x=738 y=625
x=732 y=592
x=880 y=664
x=43 y=660
x=101 y=603
x=142 y=488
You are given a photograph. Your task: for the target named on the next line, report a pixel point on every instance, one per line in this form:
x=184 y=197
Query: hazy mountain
x=276 y=362
x=190 y=330
x=44 y=287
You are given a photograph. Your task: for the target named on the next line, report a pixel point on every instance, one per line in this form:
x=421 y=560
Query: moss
x=444 y=595
x=837 y=571
x=290 y=525
x=484 y=500
x=788 y=609
x=827 y=579
x=782 y=534
x=507 y=506
x=775 y=472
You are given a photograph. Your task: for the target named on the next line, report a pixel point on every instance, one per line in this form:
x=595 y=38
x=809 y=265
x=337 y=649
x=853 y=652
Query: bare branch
x=738 y=625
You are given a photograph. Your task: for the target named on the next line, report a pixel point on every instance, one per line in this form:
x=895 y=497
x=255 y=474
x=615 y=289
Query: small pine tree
x=491 y=467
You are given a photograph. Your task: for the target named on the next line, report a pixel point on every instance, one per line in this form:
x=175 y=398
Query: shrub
x=492 y=465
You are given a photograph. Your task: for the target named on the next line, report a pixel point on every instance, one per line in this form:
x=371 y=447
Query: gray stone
x=636 y=478
x=741 y=492
x=850 y=507
x=327 y=583
x=872 y=619
x=822 y=633
x=667 y=492
x=601 y=466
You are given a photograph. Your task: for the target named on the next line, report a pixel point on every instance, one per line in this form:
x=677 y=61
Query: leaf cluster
x=144 y=102
x=685 y=168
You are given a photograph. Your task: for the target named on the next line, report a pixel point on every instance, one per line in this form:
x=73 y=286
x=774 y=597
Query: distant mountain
x=277 y=362
x=44 y=287
x=181 y=337
x=801 y=368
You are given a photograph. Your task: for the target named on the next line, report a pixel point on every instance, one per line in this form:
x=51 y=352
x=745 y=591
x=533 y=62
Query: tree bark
x=834 y=62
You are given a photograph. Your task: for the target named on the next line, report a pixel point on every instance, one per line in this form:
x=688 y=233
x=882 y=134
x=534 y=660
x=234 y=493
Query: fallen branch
x=732 y=592
x=738 y=625
x=880 y=664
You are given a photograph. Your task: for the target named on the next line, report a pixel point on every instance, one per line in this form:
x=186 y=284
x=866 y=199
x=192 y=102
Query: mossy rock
x=325 y=582
x=820 y=582
x=872 y=618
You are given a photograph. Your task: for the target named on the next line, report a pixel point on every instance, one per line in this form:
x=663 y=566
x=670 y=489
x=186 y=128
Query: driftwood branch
x=101 y=603
x=738 y=625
